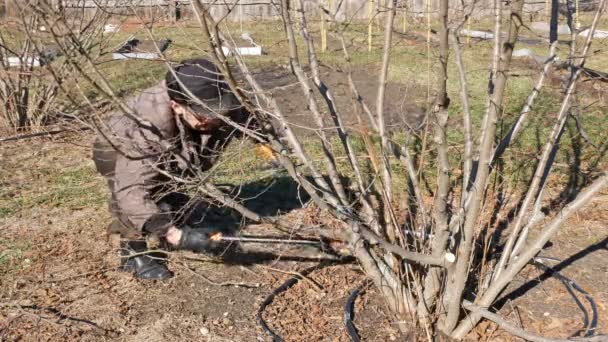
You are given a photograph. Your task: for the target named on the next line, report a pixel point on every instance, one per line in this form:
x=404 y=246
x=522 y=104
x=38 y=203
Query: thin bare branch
x=215 y=283
x=530 y=252
x=440 y=114
x=523 y=115
x=497 y=86
x=383 y=77
x=203 y=18
x=424 y=259
x=404 y=155
x=312 y=283
x=512 y=329
x=312 y=105
x=535 y=189
x=335 y=114
x=467 y=164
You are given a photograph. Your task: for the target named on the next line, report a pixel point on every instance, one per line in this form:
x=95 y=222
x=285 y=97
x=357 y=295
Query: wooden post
x=548 y=10
x=577 y=22
x=469 y=29
x=428 y=23
x=404 y=16
x=323 y=33
x=241 y=14
x=149 y=10
x=379 y=6
x=370 y=25
x=428 y=47
x=172 y=12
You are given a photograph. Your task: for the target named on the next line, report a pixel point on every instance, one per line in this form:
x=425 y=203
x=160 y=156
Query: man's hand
x=173 y=236
x=196 y=240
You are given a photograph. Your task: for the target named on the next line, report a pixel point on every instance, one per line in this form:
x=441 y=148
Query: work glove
x=196 y=240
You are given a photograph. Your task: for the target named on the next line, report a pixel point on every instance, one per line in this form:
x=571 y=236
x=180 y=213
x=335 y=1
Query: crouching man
x=138 y=158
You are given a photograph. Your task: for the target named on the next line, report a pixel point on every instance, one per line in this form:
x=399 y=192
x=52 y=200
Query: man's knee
x=173 y=202
x=124 y=230
x=104 y=158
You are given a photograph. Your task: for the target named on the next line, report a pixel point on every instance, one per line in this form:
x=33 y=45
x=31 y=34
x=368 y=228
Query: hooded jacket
x=138 y=158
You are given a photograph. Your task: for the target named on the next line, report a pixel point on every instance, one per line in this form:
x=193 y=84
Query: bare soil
x=404 y=107
x=60 y=280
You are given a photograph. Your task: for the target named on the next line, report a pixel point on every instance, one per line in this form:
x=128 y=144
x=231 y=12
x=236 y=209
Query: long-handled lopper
x=326 y=245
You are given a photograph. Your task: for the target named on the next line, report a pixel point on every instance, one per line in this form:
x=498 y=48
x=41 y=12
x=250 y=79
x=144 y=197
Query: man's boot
x=143 y=266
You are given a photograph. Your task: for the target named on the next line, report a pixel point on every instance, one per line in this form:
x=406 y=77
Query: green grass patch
x=410 y=63
x=72 y=189
x=12 y=255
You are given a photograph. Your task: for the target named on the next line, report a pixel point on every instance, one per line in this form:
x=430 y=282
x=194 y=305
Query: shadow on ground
x=522 y=290
x=268 y=197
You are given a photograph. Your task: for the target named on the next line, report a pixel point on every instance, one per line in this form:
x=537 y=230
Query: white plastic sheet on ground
x=16 y=61
x=599 y=34
x=254 y=50
x=545 y=27
x=523 y=53
x=477 y=34
x=135 y=55
x=109 y=28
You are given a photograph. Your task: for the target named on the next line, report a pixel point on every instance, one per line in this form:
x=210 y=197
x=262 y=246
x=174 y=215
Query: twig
x=204 y=18
x=356 y=95
x=531 y=250
x=218 y=195
x=297 y=274
x=382 y=80
x=519 y=332
x=496 y=92
x=424 y=259
x=40 y=134
x=226 y=283
x=523 y=115
x=151 y=251
x=535 y=191
x=334 y=113
x=210 y=260
x=81 y=275
x=307 y=92
x=466 y=118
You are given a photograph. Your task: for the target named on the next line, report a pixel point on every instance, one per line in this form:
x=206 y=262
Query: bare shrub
x=27 y=92
x=435 y=264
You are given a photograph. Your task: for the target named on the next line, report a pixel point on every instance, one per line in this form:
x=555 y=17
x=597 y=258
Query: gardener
x=138 y=157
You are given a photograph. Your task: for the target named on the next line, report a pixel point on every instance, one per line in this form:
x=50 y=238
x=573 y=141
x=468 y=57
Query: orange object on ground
x=265 y=151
